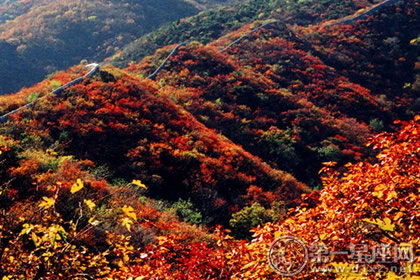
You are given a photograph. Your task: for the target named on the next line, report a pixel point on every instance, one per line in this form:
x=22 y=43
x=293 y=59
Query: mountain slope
x=10 y=9
x=58 y=34
x=209 y=4
x=128 y=125
x=117 y=175
x=210 y=25
x=367 y=50
x=276 y=94
x=293 y=106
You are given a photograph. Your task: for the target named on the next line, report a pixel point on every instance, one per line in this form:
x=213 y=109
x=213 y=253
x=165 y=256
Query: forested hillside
x=10 y=9
x=208 y=4
x=210 y=25
x=52 y=35
x=136 y=131
x=216 y=135
x=292 y=101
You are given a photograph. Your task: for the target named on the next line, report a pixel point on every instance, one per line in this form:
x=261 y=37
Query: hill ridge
x=92 y=71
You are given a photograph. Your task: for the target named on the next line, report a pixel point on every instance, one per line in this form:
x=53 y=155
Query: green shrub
x=32 y=97
x=330 y=153
x=377 y=125
x=247 y=218
x=187 y=212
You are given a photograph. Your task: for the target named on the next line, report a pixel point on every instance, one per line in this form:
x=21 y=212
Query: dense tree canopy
x=54 y=35
x=304 y=131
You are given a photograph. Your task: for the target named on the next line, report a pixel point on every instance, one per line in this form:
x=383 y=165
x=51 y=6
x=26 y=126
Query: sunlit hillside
x=40 y=37
x=268 y=140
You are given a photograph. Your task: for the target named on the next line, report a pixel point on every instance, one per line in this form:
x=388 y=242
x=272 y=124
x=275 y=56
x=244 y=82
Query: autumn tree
x=370 y=203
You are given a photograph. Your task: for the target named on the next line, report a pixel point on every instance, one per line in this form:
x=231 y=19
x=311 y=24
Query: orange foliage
x=350 y=203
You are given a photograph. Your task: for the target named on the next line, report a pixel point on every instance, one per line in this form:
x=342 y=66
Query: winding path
x=364 y=14
x=58 y=91
x=174 y=52
x=347 y=20
x=95 y=67
x=247 y=34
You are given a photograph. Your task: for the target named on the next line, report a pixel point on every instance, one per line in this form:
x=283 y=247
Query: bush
x=377 y=125
x=247 y=218
x=330 y=153
x=187 y=212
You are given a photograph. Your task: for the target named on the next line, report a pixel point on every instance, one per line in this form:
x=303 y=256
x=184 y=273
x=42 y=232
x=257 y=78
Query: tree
x=371 y=203
x=247 y=218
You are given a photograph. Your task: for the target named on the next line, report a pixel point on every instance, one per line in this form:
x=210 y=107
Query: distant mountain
x=210 y=25
x=208 y=4
x=10 y=9
x=299 y=96
x=44 y=36
x=285 y=93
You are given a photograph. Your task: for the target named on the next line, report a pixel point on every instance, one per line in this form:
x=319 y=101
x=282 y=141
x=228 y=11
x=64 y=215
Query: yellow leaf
x=278 y=234
x=391 y=195
x=90 y=204
x=248 y=265
x=413 y=41
x=384 y=225
x=398 y=216
x=93 y=222
x=26 y=229
x=5 y=278
x=379 y=194
x=47 y=202
x=161 y=240
x=139 y=183
x=129 y=212
x=392 y=276
x=37 y=241
x=126 y=222
x=77 y=186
